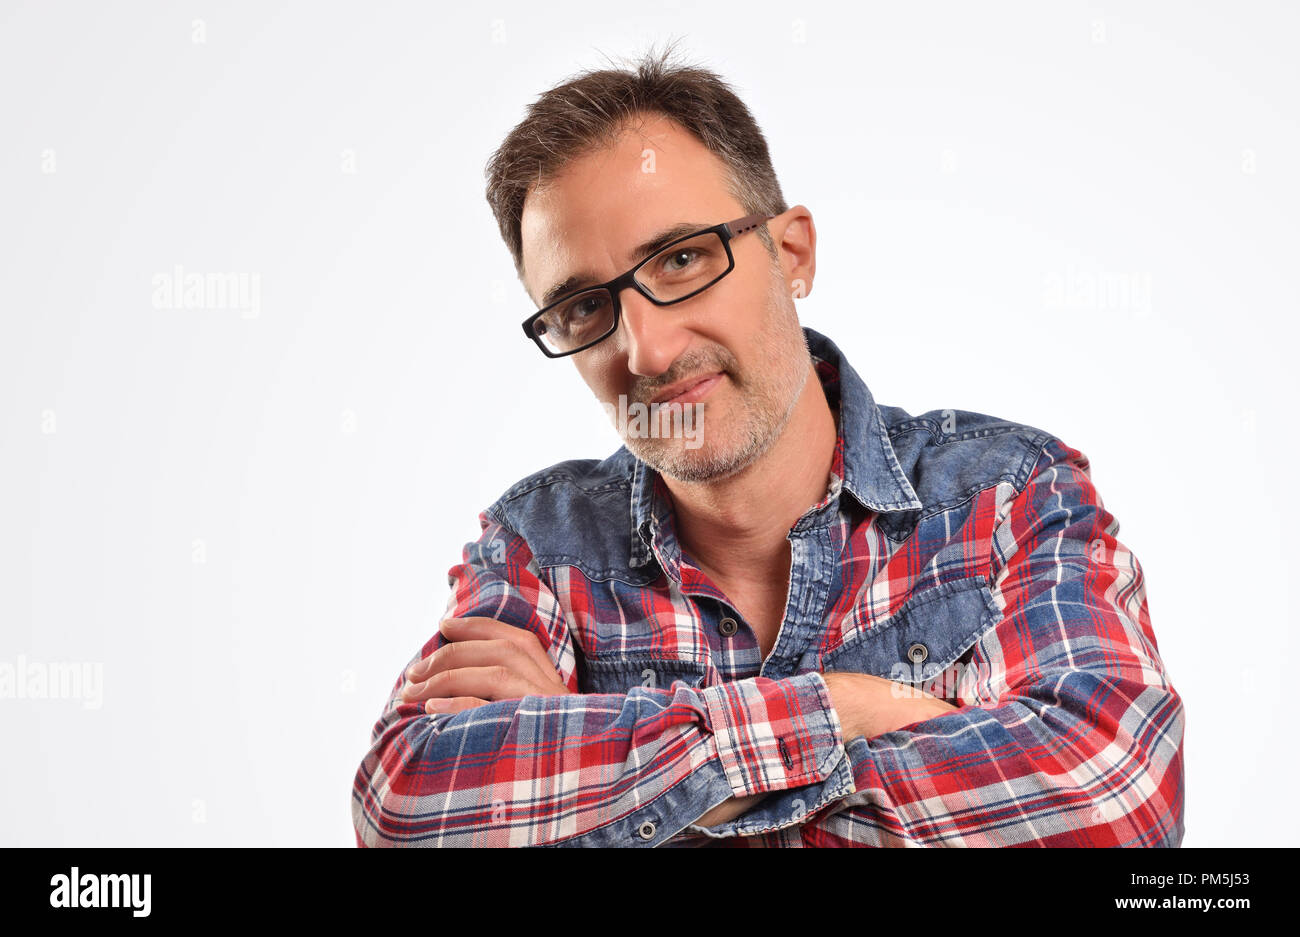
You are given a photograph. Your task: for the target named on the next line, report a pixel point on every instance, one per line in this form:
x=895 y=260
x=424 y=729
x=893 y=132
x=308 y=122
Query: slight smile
x=696 y=391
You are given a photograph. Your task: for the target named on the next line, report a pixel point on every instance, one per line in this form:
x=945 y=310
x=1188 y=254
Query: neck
x=736 y=528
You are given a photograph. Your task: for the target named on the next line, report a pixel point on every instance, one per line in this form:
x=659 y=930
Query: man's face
x=589 y=218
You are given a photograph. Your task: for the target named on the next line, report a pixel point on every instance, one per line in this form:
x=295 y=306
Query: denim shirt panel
x=574 y=514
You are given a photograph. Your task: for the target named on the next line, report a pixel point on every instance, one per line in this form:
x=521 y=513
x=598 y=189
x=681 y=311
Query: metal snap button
x=646 y=830
x=727 y=627
x=917 y=653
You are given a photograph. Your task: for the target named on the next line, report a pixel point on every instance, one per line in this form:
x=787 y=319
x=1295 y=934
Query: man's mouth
x=690 y=390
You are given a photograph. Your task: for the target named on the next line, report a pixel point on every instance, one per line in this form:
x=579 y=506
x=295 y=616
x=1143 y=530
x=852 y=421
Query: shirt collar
x=871 y=472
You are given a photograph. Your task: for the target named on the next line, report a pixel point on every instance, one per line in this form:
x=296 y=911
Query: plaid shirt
x=966 y=555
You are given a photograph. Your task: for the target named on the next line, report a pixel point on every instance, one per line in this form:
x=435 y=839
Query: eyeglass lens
x=674 y=273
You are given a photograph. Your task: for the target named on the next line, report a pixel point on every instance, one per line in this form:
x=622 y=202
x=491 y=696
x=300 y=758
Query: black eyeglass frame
x=725 y=231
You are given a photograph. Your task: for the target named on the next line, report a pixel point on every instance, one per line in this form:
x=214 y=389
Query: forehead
x=602 y=204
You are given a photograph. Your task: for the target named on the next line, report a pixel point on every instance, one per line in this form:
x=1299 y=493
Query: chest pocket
x=625 y=673
x=931 y=631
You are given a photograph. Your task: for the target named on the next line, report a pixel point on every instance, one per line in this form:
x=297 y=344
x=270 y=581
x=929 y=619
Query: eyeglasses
x=682 y=269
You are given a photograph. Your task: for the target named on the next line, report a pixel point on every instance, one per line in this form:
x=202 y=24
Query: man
x=808 y=620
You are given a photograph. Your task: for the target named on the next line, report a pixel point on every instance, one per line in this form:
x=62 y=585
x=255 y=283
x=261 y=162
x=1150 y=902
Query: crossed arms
x=1074 y=738
x=482 y=660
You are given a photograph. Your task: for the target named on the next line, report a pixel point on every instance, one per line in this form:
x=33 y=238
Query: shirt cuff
x=772 y=735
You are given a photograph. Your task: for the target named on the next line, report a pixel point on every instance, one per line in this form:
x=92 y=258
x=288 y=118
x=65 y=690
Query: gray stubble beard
x=765 y=406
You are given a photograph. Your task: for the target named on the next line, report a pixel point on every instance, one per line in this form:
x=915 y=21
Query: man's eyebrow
x=640 y=252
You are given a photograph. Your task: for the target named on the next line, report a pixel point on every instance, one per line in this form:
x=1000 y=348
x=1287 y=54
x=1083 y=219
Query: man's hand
x=868 y=705
x=484 y=660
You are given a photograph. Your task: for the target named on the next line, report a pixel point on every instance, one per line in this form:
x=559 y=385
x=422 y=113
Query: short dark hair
x=588 y=111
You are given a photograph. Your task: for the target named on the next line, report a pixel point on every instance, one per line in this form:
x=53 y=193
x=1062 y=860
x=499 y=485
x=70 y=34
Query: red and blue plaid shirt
x=962 y=554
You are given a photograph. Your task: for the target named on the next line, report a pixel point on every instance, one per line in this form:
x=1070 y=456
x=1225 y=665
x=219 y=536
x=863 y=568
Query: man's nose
x=653 y=335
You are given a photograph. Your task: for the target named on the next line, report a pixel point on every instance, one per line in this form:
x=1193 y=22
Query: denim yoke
x=890 y=572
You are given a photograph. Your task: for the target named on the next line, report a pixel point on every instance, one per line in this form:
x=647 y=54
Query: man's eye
x=671 y=267
x=583 y=310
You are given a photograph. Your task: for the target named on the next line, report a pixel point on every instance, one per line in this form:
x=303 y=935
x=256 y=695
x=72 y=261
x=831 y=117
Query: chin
x=676 y=461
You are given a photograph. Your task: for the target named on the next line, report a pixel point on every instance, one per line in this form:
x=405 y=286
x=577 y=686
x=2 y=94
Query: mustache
x=646 y=392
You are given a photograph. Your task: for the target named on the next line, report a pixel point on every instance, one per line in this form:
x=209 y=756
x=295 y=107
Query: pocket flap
x=930 y=631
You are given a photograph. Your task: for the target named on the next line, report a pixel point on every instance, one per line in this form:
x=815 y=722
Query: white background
x=1073 y=215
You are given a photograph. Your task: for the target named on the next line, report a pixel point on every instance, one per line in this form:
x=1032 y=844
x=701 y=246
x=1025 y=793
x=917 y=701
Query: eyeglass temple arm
x=749 y=222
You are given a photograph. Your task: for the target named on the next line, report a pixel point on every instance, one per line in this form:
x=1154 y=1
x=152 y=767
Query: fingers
x=482 y=659
x=488 y=629
x=488 y=683
x=490 y=653
x=454 y=705
x=460 y=633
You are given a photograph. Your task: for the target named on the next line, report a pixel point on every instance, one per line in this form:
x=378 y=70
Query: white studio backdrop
x=236 y=516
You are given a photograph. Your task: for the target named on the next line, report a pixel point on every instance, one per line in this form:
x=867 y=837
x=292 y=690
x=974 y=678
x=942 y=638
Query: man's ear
x=795 y=237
